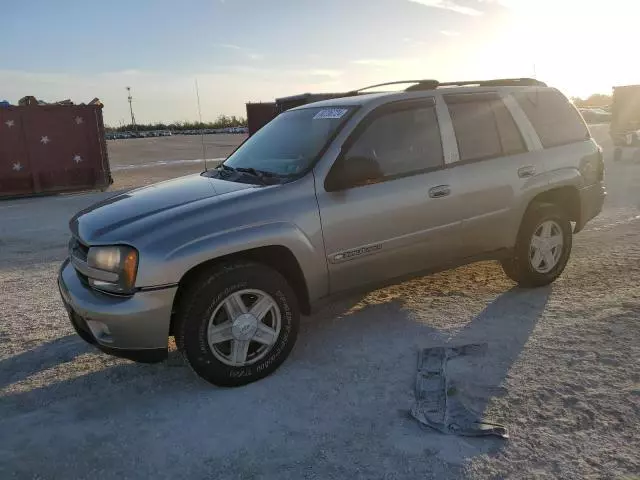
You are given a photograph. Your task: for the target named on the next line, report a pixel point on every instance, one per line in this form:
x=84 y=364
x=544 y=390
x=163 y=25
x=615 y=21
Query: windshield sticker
x=331 y=113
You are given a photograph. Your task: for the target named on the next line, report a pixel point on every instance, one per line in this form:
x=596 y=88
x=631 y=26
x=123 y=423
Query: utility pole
x=130 y=98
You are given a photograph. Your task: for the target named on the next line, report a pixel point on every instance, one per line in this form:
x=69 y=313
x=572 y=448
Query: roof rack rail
x=500 y=82
x=433 y=84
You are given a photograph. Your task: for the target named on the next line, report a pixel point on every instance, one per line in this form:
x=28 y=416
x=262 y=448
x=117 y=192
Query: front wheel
x=238 y=324
x=542 y=249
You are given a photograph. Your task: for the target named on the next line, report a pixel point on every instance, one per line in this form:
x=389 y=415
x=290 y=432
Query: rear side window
x=553 y=117
x=402 y=140
x=484 y=127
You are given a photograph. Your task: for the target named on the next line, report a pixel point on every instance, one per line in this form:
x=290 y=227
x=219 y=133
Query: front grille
x=78 y=249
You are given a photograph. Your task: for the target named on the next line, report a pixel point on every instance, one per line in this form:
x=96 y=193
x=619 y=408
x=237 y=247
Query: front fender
x=171 y=268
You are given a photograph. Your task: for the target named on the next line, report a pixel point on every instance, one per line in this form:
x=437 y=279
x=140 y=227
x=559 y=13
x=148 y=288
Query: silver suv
x=348 y=193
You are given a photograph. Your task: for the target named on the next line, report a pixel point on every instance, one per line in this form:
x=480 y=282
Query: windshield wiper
x=263 y=177
x=260 y=174
x=224 y=170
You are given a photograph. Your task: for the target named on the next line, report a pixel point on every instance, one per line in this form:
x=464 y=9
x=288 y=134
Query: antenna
x=130 y=98
x=204 y=156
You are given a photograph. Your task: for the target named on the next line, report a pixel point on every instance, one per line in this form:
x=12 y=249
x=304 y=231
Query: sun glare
x=580 y=47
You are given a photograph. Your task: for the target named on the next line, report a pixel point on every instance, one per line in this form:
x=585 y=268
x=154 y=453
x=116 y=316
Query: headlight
x=121 y=260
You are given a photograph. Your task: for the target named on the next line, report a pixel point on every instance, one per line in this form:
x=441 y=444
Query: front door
x=403 y=223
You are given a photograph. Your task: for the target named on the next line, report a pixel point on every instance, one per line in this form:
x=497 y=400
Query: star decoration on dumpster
x=17 y=167
x=77 y=158
x=44 y=140
x=79 y=120
x=10 y=123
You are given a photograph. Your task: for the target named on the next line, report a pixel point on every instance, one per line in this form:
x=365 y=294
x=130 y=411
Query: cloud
x=230 y=46
x=250 y=54
x=385 y=62
x=323 y=72
x=449 y=5
x=449 y=33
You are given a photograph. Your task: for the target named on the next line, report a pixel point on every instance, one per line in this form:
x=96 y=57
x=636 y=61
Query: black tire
x=199 y=303
x=518 y=268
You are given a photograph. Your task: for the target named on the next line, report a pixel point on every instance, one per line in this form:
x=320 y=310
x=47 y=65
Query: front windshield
x=289 y=143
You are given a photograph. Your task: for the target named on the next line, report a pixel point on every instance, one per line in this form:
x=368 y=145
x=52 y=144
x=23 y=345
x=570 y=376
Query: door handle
x=527 y=171
x=439 y=191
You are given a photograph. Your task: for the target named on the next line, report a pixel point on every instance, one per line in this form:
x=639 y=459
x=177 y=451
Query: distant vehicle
x=625 y=121
x=348 y=193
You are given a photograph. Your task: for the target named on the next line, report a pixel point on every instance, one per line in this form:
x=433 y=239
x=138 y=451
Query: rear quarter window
x=483 y=126
x=553 y=117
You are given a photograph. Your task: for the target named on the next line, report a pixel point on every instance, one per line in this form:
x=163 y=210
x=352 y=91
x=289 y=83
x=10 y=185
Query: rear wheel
x=238 y=324
x=542 y=249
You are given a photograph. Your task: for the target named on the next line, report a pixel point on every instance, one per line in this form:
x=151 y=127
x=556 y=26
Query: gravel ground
x=143 y=161
x=563 y=366
x=144 y=151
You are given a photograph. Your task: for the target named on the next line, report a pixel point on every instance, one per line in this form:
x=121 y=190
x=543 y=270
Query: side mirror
x=350 y=172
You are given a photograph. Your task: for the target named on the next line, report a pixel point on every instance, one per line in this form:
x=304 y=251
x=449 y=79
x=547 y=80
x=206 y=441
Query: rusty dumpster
x=52 y=148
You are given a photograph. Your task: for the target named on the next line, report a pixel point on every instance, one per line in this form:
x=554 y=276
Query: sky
x=258 y=50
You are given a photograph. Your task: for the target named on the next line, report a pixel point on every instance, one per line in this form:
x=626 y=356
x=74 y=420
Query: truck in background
x=625 y=118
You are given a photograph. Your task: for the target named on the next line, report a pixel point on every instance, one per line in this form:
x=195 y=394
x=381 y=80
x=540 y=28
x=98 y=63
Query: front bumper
x=591 y=202
x=135 y=327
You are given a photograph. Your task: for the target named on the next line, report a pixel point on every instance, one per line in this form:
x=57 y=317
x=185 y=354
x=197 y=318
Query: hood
x=94 y=223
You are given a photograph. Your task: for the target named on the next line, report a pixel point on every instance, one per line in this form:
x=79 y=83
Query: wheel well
x=277 y=257
x=567 y=198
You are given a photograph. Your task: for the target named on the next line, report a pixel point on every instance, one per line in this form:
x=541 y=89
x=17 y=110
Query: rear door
x=496 y=163
x=405 y=222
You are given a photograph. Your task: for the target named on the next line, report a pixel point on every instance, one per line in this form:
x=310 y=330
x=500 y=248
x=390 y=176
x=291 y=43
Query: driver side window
x=402 y=141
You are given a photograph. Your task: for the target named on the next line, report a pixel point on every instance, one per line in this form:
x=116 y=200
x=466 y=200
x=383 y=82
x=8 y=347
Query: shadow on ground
x=48 y=355
x=337 y=408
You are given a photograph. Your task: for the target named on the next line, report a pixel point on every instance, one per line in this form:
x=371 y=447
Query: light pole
x=130 y=98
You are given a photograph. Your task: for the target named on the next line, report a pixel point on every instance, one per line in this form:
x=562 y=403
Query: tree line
x=223 y=121
x=595 y=100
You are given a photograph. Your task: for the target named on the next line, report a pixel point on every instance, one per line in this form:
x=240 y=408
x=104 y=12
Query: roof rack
x=426 y=83
x=433 y=84
x=500 y=82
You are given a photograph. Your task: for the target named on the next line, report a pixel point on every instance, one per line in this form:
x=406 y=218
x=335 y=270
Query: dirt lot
x=566 y=359
x=142 y=161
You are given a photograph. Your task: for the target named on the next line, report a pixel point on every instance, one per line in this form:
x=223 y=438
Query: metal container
x=52 y=148
x=259 y=114
x=286 y=103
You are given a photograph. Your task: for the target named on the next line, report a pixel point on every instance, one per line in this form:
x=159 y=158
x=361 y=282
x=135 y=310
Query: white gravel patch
x=563 y=365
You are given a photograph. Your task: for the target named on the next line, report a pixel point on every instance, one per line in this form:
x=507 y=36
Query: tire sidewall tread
x=519 y=267
x=205 y=293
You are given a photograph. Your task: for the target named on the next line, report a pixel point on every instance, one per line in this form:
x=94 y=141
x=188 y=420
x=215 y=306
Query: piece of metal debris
x=444 y=404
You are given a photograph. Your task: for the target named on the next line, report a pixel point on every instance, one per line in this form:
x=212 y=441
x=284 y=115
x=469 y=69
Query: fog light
x=100 y=331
